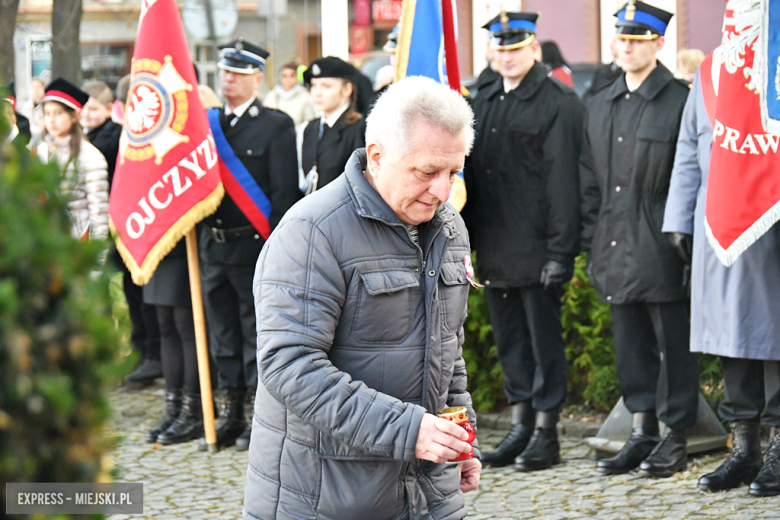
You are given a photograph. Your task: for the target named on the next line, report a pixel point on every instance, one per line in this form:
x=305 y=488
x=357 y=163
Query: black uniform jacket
x=106 y=139
x=265 y=144
x=626 y=165
x=521 y=179
x=332 y=152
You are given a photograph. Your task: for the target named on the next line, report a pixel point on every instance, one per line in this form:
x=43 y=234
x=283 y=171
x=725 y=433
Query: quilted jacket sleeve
x=93 y=169
x=299 y=292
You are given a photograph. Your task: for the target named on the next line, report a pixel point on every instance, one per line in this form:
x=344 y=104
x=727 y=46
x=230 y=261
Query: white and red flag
x=167 y=178
x=740 y=82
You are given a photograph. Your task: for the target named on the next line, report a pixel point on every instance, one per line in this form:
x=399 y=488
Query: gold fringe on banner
x=141 y=275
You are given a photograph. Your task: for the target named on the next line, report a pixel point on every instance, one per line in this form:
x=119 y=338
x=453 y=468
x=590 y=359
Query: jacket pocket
x=453 y=296
x=384 y=307
x=656 y=133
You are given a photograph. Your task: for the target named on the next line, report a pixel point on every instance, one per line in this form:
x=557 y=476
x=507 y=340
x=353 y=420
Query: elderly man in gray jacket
x=361 y=297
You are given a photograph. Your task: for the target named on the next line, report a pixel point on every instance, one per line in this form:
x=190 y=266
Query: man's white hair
x=417 y=98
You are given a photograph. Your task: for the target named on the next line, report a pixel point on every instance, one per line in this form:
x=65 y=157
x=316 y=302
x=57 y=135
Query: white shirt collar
x=508 y=87
x=240 y=109
x=330 y=121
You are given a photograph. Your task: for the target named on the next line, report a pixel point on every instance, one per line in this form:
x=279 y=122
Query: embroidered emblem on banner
x=470 y=272
x=157 y=111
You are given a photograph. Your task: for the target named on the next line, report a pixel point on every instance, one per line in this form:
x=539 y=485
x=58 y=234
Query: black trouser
x=655 y=366
x=230 y=311
x=749 y=386
x=179 y=355
x=527 y=329
x=145 y=331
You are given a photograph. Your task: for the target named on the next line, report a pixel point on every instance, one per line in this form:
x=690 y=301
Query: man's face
x=515 y=64
x=288 y=78
x=419 y=182
x=37 y=89
x=638 y=55
x=94 y=113
x=238 y=88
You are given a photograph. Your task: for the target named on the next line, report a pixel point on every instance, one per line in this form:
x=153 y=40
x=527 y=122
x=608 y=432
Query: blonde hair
x=208 y=98
x=690 y=59
x=100 y=91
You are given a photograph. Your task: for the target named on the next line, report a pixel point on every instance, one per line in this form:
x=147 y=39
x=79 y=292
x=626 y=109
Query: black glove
x=683 y=243
x=555 y=274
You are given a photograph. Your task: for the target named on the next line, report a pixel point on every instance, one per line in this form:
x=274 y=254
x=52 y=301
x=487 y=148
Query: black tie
x=229 y=119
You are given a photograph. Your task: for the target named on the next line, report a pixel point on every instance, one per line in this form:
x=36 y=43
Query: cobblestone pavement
x=181 y=482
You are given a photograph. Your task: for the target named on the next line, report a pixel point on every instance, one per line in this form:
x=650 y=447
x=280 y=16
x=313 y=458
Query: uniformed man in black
x=264 y=141
x=329 y=140
x=630 y=138
x=524 y=221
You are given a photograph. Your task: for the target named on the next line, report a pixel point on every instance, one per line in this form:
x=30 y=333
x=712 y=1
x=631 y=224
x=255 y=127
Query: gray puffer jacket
x=359 y=334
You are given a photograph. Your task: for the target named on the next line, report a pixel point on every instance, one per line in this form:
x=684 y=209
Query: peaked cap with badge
x=67 y=93
x=512 y=30
x=329 y=67
x=242 y=57
x=639 y=21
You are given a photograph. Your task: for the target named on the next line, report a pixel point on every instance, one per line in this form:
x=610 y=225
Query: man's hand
x=437 y=440
x=469 y=475
x=555 y=274
x=683 y=243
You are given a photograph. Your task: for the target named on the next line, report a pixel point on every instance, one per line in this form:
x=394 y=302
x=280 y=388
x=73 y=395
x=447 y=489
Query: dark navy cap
x=242 y=57
x=65 y=92
x=329 y=67
x=639 y=21
x=392 y=40
x=512 y=30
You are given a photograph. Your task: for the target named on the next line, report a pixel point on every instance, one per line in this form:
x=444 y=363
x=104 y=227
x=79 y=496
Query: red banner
x=743 y=190
x=166 y=178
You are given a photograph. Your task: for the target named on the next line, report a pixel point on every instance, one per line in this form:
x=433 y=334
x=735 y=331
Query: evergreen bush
x=58 y=344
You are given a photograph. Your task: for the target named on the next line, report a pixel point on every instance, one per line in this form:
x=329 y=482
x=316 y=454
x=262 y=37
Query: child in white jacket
x=84 y=169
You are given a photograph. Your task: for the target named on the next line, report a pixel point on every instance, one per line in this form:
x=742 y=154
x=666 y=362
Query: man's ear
x=375 y=155
x=259 y=77
x=659 y=43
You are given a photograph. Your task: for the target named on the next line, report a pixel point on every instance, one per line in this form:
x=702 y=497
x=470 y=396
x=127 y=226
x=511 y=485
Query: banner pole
x=201 y=342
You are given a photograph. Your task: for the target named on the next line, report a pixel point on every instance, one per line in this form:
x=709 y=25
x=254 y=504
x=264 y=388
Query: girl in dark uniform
x=169 y=292
x=329 y=141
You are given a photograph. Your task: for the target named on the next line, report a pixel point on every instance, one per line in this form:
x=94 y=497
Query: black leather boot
x=742 y=464
x=242 y=443
x=513 y=444
x=172 y=409
x=767 y=483
x=543 y=449
x=644 y=437
x=668 y=457
x=146 y=372
x=232 y=423
x=188 y=425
